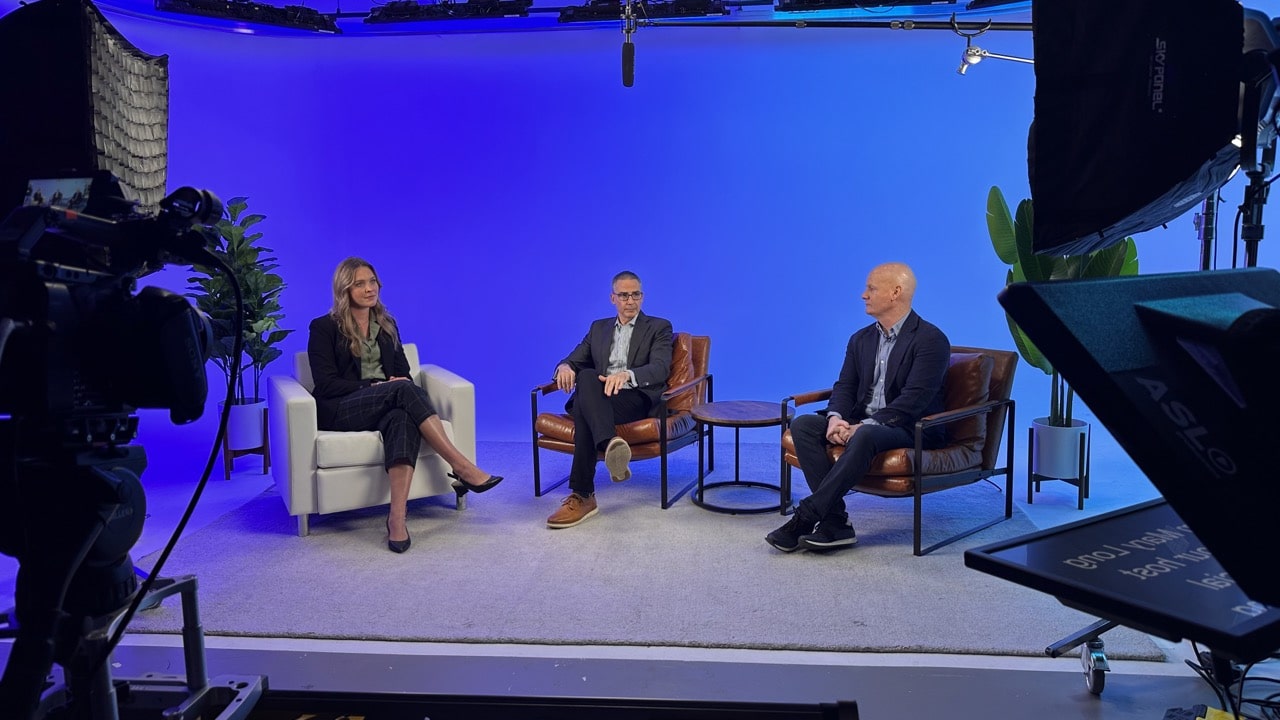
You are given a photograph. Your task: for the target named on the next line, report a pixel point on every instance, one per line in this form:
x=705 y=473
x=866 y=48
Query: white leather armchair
x=319 y=471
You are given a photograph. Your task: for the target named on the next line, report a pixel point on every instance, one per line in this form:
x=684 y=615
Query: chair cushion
x=681 y=371
x=358 y=449
x=968 y=382
x=558 y=426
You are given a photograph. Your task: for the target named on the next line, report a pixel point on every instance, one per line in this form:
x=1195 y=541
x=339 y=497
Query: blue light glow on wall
x=751 y=177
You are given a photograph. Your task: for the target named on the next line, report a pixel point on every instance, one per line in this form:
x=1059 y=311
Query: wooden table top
x=740 y=413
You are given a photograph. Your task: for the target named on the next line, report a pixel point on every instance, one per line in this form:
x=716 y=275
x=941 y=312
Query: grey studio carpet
x=633 y=575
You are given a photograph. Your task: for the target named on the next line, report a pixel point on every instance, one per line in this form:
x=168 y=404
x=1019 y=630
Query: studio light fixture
x=817 y=5
x=983 y=4
x=290 y=16
x=972 y=54
x=412 y=11
x=598 y=10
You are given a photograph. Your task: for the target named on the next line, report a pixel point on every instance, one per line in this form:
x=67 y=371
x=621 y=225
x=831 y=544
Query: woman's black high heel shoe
x=397 y=546
x=462 y=486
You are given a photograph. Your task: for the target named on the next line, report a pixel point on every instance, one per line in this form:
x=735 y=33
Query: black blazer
x=913 y=378
x=336 y=371
x=648 y=356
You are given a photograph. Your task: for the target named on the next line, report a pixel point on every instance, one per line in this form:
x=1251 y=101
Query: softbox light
x=75 y=97
x=1136 y=107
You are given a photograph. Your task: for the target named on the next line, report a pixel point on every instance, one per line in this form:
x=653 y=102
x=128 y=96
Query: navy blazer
x=913 y=378
x=336 y=371
x=648 y=356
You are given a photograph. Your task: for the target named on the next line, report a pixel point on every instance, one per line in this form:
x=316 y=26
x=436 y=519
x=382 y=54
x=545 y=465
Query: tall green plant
x=1011 y=238
x=239 y=247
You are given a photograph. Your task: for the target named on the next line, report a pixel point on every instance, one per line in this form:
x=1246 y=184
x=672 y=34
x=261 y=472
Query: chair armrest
x=808 y=397
x=292 y=428
x=951 y=416
x=545 y=388
x=454 y=398
x=683 y=388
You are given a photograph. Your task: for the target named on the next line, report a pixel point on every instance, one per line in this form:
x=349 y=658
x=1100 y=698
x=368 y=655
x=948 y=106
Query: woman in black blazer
x=362 y=383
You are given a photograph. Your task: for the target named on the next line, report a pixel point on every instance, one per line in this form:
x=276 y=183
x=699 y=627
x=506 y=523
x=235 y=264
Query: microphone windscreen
x=628 y=64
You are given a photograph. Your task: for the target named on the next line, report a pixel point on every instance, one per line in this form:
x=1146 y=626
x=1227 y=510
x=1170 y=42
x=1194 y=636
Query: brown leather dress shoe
x=573 y=510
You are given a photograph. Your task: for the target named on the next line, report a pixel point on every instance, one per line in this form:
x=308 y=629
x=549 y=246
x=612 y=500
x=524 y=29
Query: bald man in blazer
x=891 y=377
x=617 y=375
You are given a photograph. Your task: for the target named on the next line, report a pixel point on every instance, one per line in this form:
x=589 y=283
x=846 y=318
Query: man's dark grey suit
x=594 y=413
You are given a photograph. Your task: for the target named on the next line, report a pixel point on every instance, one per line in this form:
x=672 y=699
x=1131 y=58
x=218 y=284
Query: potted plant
x=1056 y=437
x=238 y=245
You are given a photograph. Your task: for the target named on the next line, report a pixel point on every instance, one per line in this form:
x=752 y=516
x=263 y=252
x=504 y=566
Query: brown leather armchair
x=671 y=429
x=977 y=386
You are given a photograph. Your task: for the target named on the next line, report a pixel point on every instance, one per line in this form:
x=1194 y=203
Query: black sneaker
x=787 y=537
x=828 y=535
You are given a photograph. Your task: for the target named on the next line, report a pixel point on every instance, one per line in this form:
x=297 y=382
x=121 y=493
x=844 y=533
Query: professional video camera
x=77 y=343
x=79 y=352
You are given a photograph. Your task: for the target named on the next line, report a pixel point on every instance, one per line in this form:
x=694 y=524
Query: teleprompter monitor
x=1142 y=567
x=1183 y=370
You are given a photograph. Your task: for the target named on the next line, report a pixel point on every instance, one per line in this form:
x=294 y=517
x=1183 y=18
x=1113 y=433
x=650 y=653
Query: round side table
x=739 y=414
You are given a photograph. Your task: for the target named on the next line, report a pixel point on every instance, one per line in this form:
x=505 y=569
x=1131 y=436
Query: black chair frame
x=927 y=484
x=665 y=446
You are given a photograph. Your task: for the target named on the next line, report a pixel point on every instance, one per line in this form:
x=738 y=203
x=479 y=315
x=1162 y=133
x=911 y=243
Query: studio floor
x=884 y=685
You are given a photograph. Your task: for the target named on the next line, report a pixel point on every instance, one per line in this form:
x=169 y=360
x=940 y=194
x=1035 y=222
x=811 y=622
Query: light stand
x=1206 y=222
x=1255 y=198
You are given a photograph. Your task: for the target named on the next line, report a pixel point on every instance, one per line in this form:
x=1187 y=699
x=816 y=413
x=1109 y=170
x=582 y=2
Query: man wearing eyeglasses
x=891 y=377
x=617 y=375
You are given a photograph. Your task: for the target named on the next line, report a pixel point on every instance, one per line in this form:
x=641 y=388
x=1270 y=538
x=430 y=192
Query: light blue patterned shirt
x=620 y=348
x=887 y=341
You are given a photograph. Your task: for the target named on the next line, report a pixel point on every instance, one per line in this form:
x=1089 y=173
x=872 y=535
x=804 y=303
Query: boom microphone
x=628 y=63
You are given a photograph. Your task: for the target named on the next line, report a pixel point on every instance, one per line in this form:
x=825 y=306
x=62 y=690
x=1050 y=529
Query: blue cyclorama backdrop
x=498 y=180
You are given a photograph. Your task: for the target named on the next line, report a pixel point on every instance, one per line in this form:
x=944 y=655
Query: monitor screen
x=69 y=193
x=1145 y=568
x=1183 y=370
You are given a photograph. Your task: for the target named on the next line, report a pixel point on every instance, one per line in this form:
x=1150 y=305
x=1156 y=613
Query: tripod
x=72 y=514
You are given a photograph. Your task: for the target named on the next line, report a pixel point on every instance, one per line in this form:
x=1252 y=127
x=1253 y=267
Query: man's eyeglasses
x=625 y=296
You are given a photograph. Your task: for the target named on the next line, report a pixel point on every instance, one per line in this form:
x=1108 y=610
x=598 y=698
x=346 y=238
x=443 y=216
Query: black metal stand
x=1081 y=482
x=89 y=691
x=699 y=497
x=1252 y=229
x=1093 y=654
x=1177 y=602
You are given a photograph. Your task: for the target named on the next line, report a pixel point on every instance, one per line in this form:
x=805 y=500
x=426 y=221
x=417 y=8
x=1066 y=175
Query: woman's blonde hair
x=343 y=278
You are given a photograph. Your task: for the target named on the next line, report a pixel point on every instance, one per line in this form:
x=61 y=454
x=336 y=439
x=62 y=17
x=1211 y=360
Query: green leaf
x=1025 y=266
x=253 y=265
x=1000 y=227
x=1027 y=349
x=1130 y=267
x=1035 y=268
x=235 y=206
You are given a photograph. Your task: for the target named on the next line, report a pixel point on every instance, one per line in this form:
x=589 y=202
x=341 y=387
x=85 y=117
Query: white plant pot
x=1056 y=450
x=244 y=427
